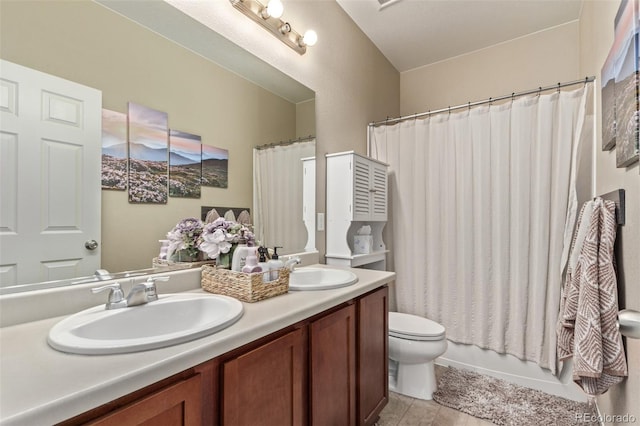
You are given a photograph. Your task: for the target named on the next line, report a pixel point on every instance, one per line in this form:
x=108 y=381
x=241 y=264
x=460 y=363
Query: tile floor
x=406 y=411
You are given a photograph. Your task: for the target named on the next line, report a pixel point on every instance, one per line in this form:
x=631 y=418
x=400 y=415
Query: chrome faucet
x=145 y=292
x=292 y=262
x=116 y=295
x=140 y=294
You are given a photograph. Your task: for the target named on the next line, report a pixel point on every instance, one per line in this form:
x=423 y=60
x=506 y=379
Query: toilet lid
x=413 y=327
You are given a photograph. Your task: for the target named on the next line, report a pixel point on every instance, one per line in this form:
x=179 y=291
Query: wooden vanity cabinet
x=267 y=385
x=328 y=370
x=332 y=368
x=373 y=354
x=348 y=351
x=179 y=404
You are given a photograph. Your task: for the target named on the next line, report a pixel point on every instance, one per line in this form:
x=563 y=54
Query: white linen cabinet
x=357 y=192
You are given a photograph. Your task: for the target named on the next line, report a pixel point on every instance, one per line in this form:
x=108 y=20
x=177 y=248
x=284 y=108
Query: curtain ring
x=490 y=101
x=539 y=90
x=586 y=80
x=558 y=87
x=469 y=105
x=513 y=96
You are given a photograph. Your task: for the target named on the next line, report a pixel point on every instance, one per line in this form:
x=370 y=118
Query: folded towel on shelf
x=587 y=325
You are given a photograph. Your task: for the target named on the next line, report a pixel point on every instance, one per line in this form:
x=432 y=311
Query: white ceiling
x=413 y=33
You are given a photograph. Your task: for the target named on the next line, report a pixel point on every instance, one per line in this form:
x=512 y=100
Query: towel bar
x=629 y=323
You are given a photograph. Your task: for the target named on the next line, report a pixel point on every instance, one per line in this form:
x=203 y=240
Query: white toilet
x=414 y=343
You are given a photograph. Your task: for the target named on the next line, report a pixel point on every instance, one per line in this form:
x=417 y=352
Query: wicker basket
x=244 y=287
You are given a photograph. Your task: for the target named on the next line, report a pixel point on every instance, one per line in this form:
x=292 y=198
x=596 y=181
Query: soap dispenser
x=275 y=264
x=252 y=262
x=262 y=263
x=240 y=254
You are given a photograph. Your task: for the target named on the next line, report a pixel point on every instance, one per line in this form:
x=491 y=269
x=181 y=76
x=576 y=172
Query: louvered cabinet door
x=361 y=189
x=378 y=191
x=369 y=190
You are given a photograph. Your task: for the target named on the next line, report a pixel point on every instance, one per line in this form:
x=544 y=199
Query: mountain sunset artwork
x=114 y=150
x=148 y=155
x=185 y=164
x=215 y=167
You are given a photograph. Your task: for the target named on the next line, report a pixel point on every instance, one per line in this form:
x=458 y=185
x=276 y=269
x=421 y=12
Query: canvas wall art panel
x=607 y=90
x=185 y=164
x=115 y=154
x=215 y=166
x=148 y=155
x=625 y=51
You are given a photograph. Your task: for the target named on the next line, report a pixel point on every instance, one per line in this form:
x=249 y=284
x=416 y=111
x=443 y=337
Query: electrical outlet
x=320 y=222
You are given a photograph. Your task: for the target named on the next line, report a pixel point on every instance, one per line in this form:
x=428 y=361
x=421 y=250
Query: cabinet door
x=266 y=386
x=361 y=188
x=175 y=405
x=373 y=380
x=369 y=190
x=333 y=369
x=378 y=191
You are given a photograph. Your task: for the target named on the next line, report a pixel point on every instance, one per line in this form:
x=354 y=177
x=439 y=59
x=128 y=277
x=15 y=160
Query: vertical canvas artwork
x=608 y=86
x=215 y=167
x=148 y=155
x=625 y=53
x=185 y=164
x=114 y=150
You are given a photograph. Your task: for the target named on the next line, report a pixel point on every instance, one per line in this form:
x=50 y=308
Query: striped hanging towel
x=587 y=326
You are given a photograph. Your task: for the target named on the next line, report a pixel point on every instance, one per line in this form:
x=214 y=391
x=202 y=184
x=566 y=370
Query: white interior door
x=50 y=151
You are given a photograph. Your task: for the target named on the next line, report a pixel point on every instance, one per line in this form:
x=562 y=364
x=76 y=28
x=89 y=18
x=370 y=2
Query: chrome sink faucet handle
x=116 y=295
x=145 y=292
x=103 y=274
x=292 y=262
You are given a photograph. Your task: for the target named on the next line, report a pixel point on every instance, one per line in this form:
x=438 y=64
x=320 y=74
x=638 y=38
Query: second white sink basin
x=320 y=278
x=172 y=319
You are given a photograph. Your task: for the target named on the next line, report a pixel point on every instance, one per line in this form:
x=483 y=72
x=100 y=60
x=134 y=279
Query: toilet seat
x=413 y=327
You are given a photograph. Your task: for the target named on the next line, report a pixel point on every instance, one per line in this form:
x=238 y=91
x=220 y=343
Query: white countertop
x=41 y=386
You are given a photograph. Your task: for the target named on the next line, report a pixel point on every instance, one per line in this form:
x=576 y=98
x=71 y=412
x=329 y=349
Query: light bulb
x=310 y=38
x=275 y=8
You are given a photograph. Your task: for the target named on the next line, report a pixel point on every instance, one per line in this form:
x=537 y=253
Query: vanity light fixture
x=269 y=17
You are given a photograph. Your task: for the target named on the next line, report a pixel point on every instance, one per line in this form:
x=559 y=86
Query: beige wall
x=84 y=42
x=514 y=66
x=306 y=118
x=596 y=38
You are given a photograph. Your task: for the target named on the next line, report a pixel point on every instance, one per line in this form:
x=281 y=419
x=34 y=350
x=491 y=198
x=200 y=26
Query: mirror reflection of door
x=50 y=132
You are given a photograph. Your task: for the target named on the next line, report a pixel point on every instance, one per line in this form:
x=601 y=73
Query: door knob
x=91 y=244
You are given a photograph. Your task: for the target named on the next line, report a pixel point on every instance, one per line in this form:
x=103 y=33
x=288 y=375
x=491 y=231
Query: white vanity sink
x=320 y=278
x=172 y=319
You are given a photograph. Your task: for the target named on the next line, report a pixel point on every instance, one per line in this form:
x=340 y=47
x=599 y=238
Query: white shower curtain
x=277 y=195
x=482 y=209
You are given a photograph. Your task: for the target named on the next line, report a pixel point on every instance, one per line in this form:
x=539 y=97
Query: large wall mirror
x=151 y=54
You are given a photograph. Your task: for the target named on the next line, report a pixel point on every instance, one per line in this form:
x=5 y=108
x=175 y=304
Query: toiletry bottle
x=275 y=264
x=240 y=254
x=262 y=263
x=252 y=262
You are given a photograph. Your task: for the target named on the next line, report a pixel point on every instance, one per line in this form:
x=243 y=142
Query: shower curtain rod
x=284 y=143
x=490 y=100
